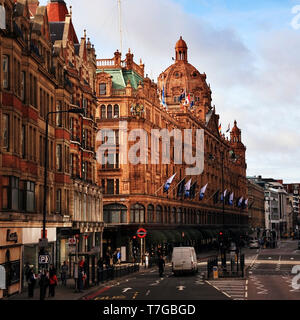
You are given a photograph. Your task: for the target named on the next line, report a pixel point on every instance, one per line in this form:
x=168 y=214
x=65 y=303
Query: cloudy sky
x=249 y=51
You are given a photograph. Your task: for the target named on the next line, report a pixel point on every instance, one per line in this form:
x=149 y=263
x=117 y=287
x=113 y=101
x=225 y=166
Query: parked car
x=254 y=244
x=184 y=259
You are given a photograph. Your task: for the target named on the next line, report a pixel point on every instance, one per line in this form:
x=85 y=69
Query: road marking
x=180 y=288
x=147 y=293
x=126 y=289
x=135 y=294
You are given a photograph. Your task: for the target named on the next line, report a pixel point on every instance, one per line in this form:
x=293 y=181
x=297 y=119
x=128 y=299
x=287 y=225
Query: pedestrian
x=161 y=265
x=118 y=257
x=52 y=284
x=43 y=283
x=63 y=273
x=52 y=270
x=80 y=275
x=26 y=271
x=100 y=270
x=31 y=282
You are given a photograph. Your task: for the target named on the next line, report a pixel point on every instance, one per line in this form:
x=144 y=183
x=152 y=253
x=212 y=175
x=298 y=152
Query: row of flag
x=188 y=190
x=227 y=130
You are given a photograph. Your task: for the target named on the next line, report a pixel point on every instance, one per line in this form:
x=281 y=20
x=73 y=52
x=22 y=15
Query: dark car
x=298 y=245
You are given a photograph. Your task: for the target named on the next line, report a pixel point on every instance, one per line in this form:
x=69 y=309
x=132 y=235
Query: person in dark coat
x=161 y=265
x=64 y=270
x=43 y=283
x=31 y=282
x=100 y=270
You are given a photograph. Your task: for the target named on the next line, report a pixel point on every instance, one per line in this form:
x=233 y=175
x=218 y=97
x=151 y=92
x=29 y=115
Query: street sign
x=44 y=259
x=43 y=243
x=72 y=241
x=141 y=233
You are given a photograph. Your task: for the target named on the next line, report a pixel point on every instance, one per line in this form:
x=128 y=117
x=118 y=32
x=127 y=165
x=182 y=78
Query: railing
x=116 y=271
x=105 y=62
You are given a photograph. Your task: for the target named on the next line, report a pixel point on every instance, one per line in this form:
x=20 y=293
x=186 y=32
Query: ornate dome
x=182 y=77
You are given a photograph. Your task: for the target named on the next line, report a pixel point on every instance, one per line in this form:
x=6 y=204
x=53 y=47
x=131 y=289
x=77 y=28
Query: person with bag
x=31 y=279
x=52 y=284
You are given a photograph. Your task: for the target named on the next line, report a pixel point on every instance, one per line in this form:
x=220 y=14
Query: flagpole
x=178 y=184
x=159 y=188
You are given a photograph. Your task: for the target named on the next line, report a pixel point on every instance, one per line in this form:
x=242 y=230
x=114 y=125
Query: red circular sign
x=141 y=233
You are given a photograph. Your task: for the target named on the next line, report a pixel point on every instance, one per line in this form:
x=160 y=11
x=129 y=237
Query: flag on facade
x=187 y=189
x=182 y=96
x=168 y=183
x=187 y=101
x=180 y=188
x=240 y=201
x=220 y=127
x=192 y=102
x=245 y=204
x=231 y=199
x=163 y=97
x=228 y=129
x=202 y=192
x=216 y=196
x=223 y=195
x=193 y=190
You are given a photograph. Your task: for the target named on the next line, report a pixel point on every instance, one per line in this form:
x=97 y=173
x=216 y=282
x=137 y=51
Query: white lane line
x=147 y=293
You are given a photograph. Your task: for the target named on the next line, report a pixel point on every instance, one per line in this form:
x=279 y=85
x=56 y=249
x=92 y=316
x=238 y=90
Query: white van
x=184 y=260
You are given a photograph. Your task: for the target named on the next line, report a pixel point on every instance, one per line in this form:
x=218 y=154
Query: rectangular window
x=6 y=131
x=23 y=86
x=117 y=186
x=23 y=141
x=5 y=69
x=58 y=201
x=10 y=193
x=110 y=186
x=103 y=186
x=102 y=88
x=58 y=115
x=59 y=157
x=30 y=196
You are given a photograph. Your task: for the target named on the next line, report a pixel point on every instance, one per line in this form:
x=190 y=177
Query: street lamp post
x=44 y=244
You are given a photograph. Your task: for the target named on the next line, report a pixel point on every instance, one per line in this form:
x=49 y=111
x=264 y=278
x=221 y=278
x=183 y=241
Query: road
x=149 y=286
x=268 y=277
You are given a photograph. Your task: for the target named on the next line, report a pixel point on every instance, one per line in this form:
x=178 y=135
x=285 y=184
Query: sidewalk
x=68 y=292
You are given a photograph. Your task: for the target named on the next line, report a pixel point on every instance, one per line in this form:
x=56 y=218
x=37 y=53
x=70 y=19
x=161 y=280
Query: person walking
x=161 y=265
x=100 y=270
x=43 y=283
x=31 y=279
x=52 y=284
x=63 y=273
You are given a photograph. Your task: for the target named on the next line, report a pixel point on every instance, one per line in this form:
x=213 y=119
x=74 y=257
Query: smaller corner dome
x=235 y=129
x=180 y=44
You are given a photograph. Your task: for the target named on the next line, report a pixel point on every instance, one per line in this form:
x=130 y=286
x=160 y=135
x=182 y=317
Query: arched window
x=137 y=213
x=150 y=213
x=179 y=215
x=115 y=213
x=103 y=112
x=173 y=215
x=116 y=111
x=159 y=216
x=109 y=111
